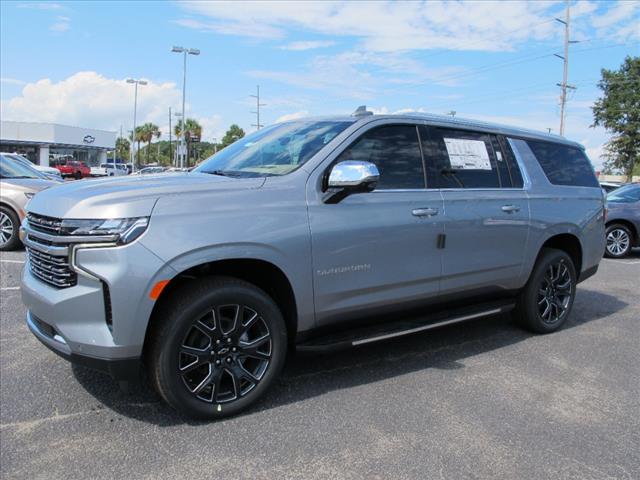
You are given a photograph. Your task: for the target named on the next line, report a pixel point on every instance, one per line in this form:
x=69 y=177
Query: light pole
x=185 y=52
x=136 y=82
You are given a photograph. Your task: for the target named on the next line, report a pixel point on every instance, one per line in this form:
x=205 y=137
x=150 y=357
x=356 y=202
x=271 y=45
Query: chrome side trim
x=77 y=268
x=428 y=327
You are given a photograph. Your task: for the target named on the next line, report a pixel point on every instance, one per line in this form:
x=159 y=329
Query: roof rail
x=361 y=111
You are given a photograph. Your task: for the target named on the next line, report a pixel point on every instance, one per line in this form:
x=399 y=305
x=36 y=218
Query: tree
x=193 y=132
x=618 y=111
x=234 y=133
x=122 y=148
x=138 y=137
x=147 y=132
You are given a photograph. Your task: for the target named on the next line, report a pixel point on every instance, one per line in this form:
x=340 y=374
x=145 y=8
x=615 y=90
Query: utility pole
x=258 y=125
x=170 y=152
x=182 y=139
x=136 y=82
x=565 y=70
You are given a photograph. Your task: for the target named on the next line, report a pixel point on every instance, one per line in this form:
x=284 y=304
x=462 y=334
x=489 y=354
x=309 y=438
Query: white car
x=109 y=170
x=50 y=172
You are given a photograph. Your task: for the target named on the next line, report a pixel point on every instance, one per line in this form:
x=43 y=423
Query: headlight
x=126 y=229
x=29 y=195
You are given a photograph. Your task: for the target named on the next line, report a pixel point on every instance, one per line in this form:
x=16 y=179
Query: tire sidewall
x=608 y=231
x=14 y=240
x=529 y=298
x=176 y=392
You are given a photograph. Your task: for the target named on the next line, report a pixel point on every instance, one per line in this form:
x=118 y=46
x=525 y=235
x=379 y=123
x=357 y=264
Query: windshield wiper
x=223 y=173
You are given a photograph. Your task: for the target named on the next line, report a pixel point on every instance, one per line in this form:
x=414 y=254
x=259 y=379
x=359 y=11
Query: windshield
x=275 y=150
x=626 y=194
x=13 y=169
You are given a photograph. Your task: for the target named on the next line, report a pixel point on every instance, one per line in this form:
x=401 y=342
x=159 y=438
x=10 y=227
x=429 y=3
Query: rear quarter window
x=564 y=164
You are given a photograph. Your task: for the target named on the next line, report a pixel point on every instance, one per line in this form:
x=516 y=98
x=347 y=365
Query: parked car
x=623 y=221
x=109 y=170
x=72 y=168
x=18 y=184
x=150 y=170
x=315 y=234
x=50 y=172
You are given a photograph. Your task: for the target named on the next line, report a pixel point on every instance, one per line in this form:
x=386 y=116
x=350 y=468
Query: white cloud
x=307 y=45
x=61 y=25
x=292 y=116
x=40 y=6
x=384 y=25
x=620 y=22
x=91 y=100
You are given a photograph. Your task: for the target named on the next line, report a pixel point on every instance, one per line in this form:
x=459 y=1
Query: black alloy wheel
x=225 y=353
x=215 y=346
x=544 y=304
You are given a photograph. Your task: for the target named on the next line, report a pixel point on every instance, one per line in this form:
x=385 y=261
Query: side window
x=512 y=164
x=460 y=159
x=564 y=164
x=395 y=150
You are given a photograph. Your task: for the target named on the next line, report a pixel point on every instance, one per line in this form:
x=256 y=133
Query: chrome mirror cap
x=353 y=174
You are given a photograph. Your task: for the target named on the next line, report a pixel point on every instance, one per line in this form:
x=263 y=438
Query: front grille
x=50 y=268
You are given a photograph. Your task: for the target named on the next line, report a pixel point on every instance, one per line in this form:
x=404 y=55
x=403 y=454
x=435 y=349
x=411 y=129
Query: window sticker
x=467 y=154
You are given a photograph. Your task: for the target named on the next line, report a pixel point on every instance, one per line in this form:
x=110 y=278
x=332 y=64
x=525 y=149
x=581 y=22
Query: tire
x=77 y=175
x=195 y=346
x=9 y=229
x=544 y=304
x=618 y=241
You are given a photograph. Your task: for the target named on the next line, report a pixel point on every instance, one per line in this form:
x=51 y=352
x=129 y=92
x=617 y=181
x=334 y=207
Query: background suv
x=623 y=221
x=318 y=233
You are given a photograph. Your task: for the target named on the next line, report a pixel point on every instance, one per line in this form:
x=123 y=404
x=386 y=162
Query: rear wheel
x=546 y=300
x=218 y=347
x=618 y=241
x=9 y=226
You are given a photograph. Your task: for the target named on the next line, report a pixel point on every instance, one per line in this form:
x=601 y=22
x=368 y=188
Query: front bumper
x=119 y=369
x=103 y=318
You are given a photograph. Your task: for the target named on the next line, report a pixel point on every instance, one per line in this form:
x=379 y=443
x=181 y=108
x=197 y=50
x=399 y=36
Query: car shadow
x=309 y=375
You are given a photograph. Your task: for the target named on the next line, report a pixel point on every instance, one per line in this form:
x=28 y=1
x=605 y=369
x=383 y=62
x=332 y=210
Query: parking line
x=11 y=261
x=9 y=288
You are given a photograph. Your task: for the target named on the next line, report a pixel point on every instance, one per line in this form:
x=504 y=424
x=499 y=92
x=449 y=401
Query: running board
x=407 y=326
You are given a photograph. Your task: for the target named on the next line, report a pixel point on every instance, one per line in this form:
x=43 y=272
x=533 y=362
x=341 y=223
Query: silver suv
x=313 y=234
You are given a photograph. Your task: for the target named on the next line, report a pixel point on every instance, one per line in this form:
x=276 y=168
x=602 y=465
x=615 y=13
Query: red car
x=72 y=168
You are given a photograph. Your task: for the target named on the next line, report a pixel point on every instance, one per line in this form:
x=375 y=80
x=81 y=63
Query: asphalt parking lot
x=483 y=400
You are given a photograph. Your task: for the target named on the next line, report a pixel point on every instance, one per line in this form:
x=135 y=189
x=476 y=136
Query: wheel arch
x=568 y=243
x=261 y=273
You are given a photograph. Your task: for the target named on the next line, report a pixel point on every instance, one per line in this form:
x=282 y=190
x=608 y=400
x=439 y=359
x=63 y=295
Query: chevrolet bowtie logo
x=88 y=139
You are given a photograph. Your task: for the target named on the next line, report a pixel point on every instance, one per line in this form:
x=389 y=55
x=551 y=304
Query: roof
x=456 y=122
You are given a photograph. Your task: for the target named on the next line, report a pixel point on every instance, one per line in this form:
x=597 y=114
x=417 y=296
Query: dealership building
x=45 y=142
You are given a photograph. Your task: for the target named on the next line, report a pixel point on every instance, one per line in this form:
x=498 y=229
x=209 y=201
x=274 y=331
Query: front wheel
x=546 y=300
x=618 y=241
x=218 y=346
x=9 y=226
x=77 y=175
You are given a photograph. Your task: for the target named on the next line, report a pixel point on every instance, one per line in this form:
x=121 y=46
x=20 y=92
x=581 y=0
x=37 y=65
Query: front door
x=378 y=249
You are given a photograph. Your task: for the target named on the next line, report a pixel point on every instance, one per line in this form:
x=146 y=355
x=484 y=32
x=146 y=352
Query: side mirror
x=349 y=177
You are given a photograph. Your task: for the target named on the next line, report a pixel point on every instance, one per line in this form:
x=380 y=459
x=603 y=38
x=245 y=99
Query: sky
x=67 y=62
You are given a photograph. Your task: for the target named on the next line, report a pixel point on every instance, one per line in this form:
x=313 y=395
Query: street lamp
x=135 y=111
x=185 y=52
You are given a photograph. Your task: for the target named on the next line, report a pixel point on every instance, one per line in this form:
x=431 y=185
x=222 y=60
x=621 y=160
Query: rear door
x=374 y=250
x=486 y=209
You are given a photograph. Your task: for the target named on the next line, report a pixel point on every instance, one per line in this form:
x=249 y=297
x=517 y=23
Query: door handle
x=424 y=212
x=510 y=208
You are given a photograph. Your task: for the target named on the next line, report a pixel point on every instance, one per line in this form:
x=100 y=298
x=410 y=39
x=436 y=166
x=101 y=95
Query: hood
x=131 y=196
x=29 y=184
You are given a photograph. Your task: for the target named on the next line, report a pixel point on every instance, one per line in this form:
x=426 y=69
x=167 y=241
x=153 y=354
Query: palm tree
x=193 y=131
x=139 y=137
x=147 y=132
